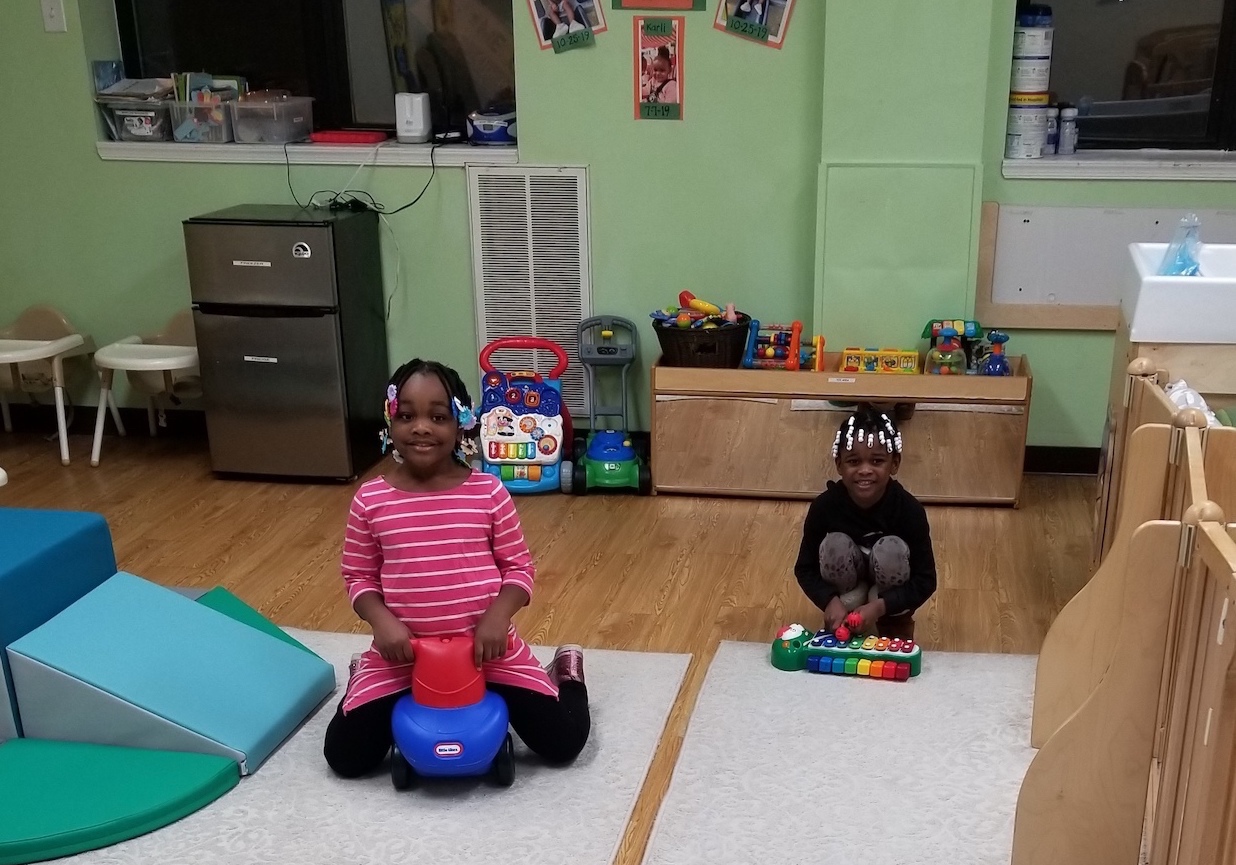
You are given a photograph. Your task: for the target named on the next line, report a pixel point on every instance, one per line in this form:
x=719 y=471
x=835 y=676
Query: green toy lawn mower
x=606 y=459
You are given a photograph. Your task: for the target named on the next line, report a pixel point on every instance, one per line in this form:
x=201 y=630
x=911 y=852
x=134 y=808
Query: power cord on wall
x=360 y=200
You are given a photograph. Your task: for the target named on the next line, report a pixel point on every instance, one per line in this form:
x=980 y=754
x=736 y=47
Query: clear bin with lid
x=137 y=121
x=272 y=119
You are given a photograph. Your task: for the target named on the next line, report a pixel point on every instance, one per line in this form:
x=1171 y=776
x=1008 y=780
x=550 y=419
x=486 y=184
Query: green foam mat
x=222 y=601
x=61 y=798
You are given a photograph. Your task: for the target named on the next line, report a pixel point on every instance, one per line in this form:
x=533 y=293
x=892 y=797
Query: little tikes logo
x=448 y=749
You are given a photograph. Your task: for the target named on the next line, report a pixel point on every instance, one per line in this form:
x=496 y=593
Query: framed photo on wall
x=560 y=20
x=763 y=21
x=658 y=62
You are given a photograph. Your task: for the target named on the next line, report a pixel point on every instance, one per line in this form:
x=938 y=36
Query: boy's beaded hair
x=869 y=426
x=456 y=392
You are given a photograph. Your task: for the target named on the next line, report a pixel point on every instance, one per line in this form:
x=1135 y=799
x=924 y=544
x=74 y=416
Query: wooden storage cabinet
x=769 y=433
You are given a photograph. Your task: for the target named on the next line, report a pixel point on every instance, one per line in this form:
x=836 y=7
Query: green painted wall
x=721 y=203
x=811 y=182
x=102 y=240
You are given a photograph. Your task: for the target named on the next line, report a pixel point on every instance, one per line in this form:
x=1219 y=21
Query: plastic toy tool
x=996 y=363
x=796 y=648
x=451 y=725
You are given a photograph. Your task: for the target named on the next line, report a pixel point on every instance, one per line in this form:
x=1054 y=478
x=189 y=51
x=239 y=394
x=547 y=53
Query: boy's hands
x=392 y=640
x=490 y=640
x=834 y=614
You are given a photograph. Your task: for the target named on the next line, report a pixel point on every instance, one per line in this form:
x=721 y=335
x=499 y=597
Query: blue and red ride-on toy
x=606 y=459
x=451 y=725
x=524 y=423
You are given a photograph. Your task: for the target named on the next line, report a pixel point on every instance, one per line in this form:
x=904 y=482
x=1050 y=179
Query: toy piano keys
x=866 y=657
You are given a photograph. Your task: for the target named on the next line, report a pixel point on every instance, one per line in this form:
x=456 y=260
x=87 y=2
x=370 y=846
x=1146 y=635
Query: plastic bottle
x=996 y=363
x=1067 y=142
x=947 y=357
x=1053 y=131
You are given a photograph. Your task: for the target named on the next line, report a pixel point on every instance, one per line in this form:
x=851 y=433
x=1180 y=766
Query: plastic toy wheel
x=645 y=480
x=579 y=483
x=504 y=763
x=579 y=447
x=403 y=776
x=566 y=474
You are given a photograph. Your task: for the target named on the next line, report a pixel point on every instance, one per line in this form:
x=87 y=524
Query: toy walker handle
x=534 y=342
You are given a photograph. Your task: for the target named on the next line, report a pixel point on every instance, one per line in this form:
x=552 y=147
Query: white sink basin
x=1193 y=309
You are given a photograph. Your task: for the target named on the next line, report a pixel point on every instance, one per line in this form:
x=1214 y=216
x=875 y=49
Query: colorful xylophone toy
x=893 y=659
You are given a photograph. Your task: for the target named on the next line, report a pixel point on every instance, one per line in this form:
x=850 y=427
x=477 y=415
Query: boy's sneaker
x=567 y=665
x=560 y=31
x=576 y=27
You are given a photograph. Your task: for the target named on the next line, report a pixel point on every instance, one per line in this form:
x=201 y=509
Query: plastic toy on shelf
x=451 y=725
x=892 y=659
x=946 y=358
x=524 y=422
x=780 y=346
x=885 y=360
x=966 y=333
x=996 y=363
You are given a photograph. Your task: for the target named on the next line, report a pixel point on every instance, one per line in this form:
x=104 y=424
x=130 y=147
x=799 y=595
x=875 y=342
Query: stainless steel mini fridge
x=287 y=305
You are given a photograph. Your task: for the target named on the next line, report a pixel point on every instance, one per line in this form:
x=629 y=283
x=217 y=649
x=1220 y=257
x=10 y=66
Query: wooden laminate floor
x=666 y=574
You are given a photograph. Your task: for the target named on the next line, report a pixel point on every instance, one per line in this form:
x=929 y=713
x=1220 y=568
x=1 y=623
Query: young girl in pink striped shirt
x=434 y=548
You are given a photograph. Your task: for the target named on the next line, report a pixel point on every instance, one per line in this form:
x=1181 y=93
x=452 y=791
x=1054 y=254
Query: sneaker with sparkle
x=353 y=666
x=567 y=665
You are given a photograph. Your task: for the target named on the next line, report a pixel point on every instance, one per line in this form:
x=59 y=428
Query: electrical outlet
x=53 y=16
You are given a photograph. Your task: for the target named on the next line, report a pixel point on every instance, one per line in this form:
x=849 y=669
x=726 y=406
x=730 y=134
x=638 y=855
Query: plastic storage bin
x=138 y=121
x=272 y=121
x=201 y=122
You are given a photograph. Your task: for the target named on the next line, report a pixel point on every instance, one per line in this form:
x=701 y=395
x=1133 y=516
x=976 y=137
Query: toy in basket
x=841 y=654
x=524 y=423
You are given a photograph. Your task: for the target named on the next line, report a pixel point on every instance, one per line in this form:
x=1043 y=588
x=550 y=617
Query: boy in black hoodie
x=866 y=544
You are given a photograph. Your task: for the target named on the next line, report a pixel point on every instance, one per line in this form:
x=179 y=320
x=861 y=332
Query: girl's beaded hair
x=870 y=427
x=456 y=391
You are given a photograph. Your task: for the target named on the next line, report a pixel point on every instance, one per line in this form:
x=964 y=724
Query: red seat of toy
x=444 y=674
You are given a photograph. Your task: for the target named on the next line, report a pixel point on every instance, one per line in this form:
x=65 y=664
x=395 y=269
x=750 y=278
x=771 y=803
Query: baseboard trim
x=41 y=419
x=1043 y=460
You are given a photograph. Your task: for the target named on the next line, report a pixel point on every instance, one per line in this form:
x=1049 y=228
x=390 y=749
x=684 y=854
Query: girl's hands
x=393 y=640
x=490 y=640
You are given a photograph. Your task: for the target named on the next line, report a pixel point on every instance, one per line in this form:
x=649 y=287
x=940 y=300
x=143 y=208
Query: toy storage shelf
x=769 y=433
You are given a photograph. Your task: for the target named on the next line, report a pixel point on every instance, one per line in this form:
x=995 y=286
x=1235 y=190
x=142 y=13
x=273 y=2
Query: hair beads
x=869 y=428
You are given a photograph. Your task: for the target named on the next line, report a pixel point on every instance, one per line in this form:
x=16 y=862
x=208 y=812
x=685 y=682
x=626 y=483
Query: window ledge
x=390 y=153
x=1126 y=165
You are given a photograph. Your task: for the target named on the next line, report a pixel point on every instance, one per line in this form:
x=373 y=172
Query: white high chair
x=163 y=363
x=32 y=354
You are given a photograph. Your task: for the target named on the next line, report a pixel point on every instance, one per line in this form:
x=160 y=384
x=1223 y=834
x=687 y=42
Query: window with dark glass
x=351 y=56
x=1147 y=73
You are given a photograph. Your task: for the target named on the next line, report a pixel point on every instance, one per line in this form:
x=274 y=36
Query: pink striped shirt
x=438 y=560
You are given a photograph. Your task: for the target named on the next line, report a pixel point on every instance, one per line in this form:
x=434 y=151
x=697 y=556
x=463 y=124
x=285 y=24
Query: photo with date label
x=763 y=21
x=658 y=68
x=566 y=21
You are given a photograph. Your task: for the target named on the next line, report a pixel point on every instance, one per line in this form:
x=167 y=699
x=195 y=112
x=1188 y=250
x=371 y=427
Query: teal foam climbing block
x=48 y=559
x=174 y=662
